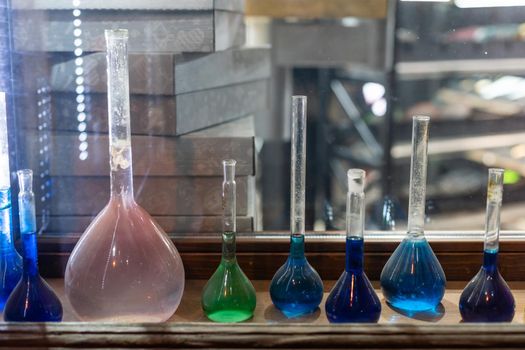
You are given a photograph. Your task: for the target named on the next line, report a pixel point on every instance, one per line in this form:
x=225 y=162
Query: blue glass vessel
x=487 y=297
x=10 y=260
x=353 y=298
x=296 y=288
x=412 y=279
x=32 y=300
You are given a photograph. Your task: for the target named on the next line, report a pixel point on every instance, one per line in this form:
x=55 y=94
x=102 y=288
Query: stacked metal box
x=194 y=92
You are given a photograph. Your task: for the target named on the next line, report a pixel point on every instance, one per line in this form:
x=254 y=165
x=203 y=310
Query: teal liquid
x=412 y=279
x=296 y=289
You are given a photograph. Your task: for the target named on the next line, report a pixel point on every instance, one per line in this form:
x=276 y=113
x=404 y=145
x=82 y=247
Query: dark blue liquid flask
x=296 y=288
x=412 y=279
x=487 y=297
x=10 y=260
x=353 y=298
x=32 y=300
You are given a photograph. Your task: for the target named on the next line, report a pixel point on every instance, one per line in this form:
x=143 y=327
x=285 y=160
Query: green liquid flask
x=228 y=296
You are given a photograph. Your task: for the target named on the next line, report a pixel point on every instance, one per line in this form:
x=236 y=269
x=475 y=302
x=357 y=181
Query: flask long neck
x=492 y=216
x=298 y=167
x=418 y=177
x=6 y=225
x=27 y=216
x=228 y=247
x=119 y=113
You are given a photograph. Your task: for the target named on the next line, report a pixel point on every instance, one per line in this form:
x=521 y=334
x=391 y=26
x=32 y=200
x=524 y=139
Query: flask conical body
x=10 y=260
x=124 y=268
x=353 y=298
x=413 y=279
x=296 y=288
x=228 y=296
x=487 y=297
x=32 y=300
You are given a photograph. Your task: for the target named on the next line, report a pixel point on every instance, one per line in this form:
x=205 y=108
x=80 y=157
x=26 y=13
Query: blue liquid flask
x=487 y=297
x=412 y=279
x=32 y=300
x=10 y=260
x=353 y=298
x=296 y=288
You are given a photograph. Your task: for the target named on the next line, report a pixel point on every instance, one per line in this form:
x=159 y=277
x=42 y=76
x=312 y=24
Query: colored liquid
x=10 y=260
x=124 y=268
x=296 y=289
x=229 y=296
x=32 y=300
x=412 y=279
x=487 y=297
x=353 y=298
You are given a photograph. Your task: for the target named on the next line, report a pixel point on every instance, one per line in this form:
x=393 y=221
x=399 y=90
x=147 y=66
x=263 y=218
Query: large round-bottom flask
x=124 y=267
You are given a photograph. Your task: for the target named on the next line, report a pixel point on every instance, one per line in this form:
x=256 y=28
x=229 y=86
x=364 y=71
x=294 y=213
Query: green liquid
x=229 y=296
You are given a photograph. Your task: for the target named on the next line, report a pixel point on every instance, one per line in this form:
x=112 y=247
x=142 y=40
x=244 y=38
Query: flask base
x=230 y=316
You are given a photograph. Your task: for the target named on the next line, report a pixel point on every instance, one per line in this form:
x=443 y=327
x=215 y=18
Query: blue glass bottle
x=412 y=279
x=296 y=288
x=32 y=300
x=10 y=260
x=487 y=297
x=353 y=298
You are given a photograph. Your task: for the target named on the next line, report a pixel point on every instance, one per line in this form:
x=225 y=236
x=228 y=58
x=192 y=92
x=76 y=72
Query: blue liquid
x=353 y=298
x=10 y=260
x=296 y=289
x=32 y=300
x=487 y=297
x=412 y=279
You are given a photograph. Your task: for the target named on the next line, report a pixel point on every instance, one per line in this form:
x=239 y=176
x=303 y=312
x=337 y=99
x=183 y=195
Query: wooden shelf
x=189 y=328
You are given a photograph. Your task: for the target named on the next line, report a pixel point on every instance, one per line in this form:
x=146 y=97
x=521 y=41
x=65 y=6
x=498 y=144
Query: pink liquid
x=124 y=268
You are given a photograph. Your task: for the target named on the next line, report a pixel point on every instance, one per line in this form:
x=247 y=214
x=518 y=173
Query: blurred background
x=211 y=80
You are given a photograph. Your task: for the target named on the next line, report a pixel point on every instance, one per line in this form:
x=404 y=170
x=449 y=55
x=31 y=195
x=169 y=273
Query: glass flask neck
x=298 y=167
x=354 y=254
x=355 y=203
x=297 y=247
x=418 y=177
x=6 y=226
x=228 y=247
x=120 y=158
x=27 y=216
x=490 y=260
x=229 y=192
x=492 y=217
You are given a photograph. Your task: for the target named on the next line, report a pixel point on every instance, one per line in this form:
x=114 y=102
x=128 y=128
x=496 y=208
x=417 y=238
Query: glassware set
x=125 y=268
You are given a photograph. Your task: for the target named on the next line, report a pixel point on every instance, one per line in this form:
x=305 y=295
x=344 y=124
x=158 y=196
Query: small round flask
x=228 y=296
x=32 y=300
x=487 y=297
x=353 y=298
x=10 y=260
x=413 y=279
x=124 y=268
x=296 y=288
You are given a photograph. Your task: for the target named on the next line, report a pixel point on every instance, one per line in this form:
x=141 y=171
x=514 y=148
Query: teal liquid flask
x=228 y=296
x=296 y=288
x=10 y=260
x=487 y=297
x=32 y=300
x=353 y=298
x=412 y=279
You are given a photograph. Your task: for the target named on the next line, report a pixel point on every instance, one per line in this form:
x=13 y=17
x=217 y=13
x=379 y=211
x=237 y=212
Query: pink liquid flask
x=124 y=268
